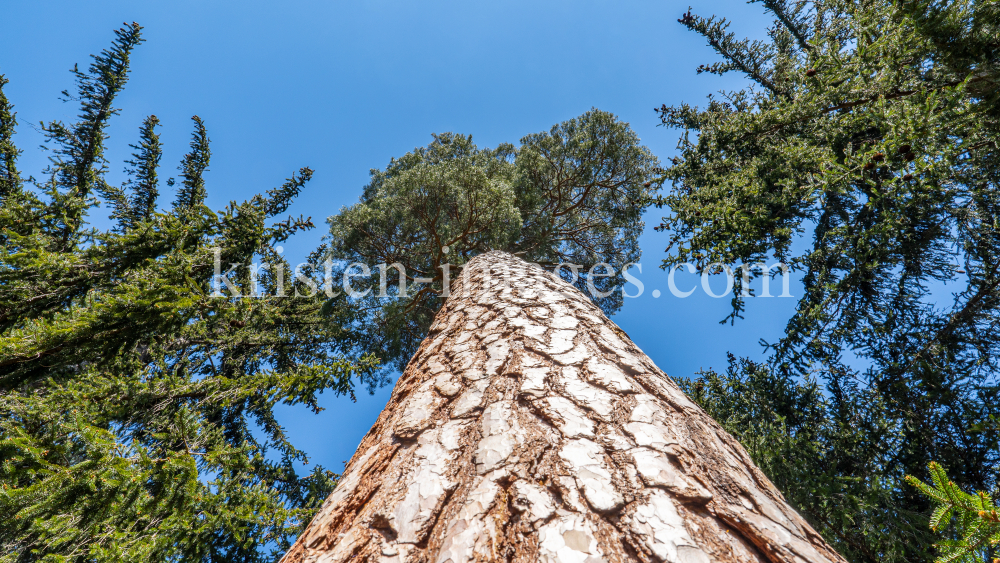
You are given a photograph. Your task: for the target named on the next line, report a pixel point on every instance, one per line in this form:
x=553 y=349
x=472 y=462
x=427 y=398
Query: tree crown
x=571 y=195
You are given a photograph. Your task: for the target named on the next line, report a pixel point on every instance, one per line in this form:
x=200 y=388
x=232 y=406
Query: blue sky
x=344 y=86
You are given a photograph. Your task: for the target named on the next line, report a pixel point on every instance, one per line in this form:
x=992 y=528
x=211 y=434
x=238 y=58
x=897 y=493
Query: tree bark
x=528 y=427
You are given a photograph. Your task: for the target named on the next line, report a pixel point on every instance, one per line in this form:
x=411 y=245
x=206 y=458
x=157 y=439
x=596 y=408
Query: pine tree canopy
x=572 y=195
x=864 y=154
x=136 y=400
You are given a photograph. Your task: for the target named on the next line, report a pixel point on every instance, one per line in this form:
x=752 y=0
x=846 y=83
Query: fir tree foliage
x=10 y=179
x=136 y=399
x=192 y=192
x=144 y=181
x=863 y=154
x=78 y=161
x=573 y=194
x=975 y=519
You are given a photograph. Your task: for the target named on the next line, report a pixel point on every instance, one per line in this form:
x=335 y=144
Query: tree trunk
x=528 y=427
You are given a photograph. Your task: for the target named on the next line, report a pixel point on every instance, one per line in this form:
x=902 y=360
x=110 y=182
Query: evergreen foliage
x=144 y=183
x=574 y=194
x=975 y=518
x=10 y=179
x=136 y=400
x=872 y=128
x=192 y=192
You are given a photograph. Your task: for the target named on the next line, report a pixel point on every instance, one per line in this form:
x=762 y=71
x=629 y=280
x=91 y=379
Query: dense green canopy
x=865 y=155
x=136 y=408
x=572 y=195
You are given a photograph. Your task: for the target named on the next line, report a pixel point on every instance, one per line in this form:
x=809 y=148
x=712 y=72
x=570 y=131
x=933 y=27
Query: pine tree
x=529 y=428
x=136 y=395
x=573 y=195
x=872 y=128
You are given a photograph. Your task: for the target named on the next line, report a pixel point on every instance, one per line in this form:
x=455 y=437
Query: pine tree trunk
x=528 y=427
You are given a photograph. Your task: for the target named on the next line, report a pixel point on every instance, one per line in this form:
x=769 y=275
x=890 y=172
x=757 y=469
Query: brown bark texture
x=528 y=427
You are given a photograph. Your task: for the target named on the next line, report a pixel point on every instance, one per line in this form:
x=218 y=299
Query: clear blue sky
x=344 y=86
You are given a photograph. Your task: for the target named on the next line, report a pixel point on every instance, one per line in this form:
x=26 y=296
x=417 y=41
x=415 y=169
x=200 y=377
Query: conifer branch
x=192 y=191
x=10 y=178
